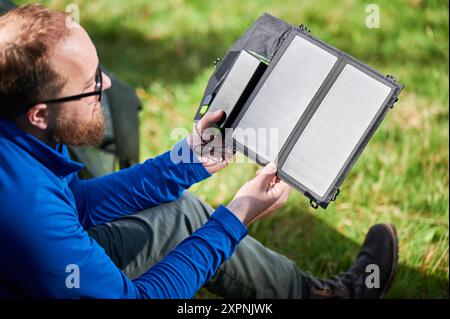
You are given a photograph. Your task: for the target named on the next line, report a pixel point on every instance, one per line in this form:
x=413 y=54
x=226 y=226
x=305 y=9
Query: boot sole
x=393 y=233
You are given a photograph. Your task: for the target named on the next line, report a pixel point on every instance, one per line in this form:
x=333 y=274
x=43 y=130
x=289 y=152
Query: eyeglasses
x=97 y=91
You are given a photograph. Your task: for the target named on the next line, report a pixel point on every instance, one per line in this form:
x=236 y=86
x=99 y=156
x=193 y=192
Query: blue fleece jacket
x=45 y=210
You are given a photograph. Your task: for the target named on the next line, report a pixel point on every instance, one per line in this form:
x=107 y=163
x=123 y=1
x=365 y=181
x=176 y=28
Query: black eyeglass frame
x=98 y=91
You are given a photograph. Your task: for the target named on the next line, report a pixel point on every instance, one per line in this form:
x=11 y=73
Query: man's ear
x=38 y=116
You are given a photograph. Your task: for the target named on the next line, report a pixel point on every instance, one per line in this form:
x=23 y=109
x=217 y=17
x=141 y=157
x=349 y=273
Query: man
x=134 y=233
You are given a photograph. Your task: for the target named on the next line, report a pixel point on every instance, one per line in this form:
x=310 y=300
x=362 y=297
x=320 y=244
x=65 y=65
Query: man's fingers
x=209 y=119
x=285 y=194
x=266 y=175
x=279 y=189
x=278 y=201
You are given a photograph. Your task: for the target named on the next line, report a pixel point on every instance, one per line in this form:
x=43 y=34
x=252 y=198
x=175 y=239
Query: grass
x=166 y=50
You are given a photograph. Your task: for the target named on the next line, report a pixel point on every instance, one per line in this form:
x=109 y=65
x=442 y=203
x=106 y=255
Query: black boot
x=370 y=276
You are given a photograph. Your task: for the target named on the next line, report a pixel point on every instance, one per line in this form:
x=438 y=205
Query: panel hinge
x=217 y=61
x=313 y=204
x=393 y=102
x=304 y=28
x=391 y=78
x=335 y=194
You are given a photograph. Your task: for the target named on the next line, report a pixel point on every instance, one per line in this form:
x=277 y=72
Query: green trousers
x=136 y=242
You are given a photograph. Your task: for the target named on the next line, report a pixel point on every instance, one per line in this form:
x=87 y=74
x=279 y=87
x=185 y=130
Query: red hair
x=28 y=35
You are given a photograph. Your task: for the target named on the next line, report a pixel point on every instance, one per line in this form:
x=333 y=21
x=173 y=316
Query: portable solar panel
x=312 y=111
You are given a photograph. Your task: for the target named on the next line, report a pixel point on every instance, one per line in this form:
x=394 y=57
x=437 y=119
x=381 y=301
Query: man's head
x=44 y=57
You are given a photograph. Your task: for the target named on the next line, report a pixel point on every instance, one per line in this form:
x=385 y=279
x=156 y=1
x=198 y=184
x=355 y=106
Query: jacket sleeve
x=156 y=181
x=62 y=261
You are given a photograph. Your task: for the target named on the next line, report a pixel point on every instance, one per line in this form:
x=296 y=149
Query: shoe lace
x=343 y=285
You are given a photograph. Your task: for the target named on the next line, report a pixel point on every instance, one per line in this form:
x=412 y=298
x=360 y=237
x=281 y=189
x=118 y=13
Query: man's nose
x=106 y=81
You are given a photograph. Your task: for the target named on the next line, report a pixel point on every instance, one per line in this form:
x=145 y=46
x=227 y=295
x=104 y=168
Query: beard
x=74 y=132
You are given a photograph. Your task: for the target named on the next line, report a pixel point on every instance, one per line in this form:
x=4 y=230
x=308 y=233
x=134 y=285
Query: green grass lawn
x=166 y=50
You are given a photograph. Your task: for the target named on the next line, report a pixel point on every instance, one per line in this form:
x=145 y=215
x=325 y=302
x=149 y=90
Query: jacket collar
x=55 y=159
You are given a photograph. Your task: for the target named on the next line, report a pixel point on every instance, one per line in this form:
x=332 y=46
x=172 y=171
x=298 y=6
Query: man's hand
x=261 y=196
x=207 y=143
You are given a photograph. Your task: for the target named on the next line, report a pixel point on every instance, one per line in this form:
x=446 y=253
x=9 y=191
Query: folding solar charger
x=316 y=106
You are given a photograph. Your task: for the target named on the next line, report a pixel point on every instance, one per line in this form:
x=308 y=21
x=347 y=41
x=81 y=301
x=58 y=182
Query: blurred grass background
x=166 y=50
